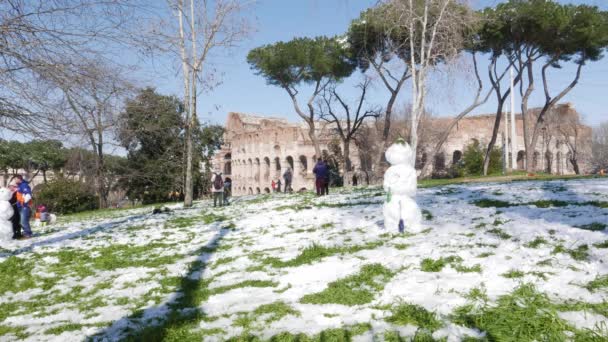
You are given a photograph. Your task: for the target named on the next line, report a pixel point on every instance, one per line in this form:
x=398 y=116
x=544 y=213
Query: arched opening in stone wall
x=535 y=158
x=303 y=164
x=249 y=168
x=250 y=191
x=521 y=156
x=257 y=191
x=266 y=190
x=289 y=160
x=266 y=168
x=456 y=156
x=257 y=170
x=439 y=162
x=559 y=163
x=277 y=164
x=228 y=168
x=548 y=162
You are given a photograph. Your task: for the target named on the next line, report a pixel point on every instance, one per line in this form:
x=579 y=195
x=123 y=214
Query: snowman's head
x=5 y=194
x=400 y=153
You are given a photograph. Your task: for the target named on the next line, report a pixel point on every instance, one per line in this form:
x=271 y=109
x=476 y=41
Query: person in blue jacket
x=321 y=174
x=24 y=202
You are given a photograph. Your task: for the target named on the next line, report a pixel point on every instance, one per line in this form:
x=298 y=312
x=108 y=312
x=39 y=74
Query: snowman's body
x=6 y=212
x=400 y=183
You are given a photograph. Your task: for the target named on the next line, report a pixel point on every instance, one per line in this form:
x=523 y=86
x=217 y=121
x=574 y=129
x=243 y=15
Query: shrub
x=472 y=159
x=65 y=196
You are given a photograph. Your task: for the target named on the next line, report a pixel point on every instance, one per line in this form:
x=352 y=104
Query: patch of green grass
x=600 y=282
x=579 y=253
x=468 y=269
x=223 y=261
x=246 y=283
x=265 y=314
x=546 y=262
x=431 y=265
x=491 y=203
x=549 y=203
x=275 y=311
x=499 y=233
x=524 y=315
x=316 y=252
x=601 y=244
x=536 y=242
x=485 y=255
x=356 y=289
x=513 y=274
x=61 y=328
x=594 y=227
x=401 y=246
x=18 y=332
x=406 y=313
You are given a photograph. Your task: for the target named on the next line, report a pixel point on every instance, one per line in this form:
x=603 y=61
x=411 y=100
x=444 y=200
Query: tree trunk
x=486 y=160
x=574 y=162
x=346 y=164
x=44 y=176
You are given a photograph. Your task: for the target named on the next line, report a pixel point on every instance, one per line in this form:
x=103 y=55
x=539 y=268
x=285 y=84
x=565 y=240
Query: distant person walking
x=279 y=185
x=320 y=171
x=327 y=179
x=217 y=188
x=274 y=186
x=24 y=202
x=288 y=176
x=227 y=190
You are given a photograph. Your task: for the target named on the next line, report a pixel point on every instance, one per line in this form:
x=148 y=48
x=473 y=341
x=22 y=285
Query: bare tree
x=202 y=28
x=576 y=138
x=38 y=36
x=347 y=120
x=477 y=101
x=600 y=147
x=83 y=103
x=435 y=31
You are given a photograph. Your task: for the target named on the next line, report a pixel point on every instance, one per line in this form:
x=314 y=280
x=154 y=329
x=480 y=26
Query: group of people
x=221 y=189
x=21 y=201
x=287 y=177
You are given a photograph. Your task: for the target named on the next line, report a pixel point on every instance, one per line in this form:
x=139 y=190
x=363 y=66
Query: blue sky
x=242 y=91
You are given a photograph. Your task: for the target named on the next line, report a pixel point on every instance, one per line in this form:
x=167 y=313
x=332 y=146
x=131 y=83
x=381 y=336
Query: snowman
x=400 y=210
x=6 y=212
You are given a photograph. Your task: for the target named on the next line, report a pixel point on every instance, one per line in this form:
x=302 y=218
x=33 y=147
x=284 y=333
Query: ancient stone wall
x=258 y=150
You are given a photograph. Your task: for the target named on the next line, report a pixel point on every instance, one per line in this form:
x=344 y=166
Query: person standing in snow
x=15 y=219
x=287 y=176
x=279 y=185
x=227 y=190
x=320 y=171
x=24 y=201
x=274 y=186
x=217 y=188
x=327 y=179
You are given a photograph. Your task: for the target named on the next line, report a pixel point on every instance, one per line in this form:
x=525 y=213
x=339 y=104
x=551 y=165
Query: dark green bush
x=65 y=196
x=473 y=156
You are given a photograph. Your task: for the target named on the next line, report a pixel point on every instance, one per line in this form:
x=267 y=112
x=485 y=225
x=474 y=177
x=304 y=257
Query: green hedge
x=65 y=196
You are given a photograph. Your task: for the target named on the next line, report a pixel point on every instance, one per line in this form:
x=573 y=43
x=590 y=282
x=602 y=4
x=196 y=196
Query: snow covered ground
x=520 y=261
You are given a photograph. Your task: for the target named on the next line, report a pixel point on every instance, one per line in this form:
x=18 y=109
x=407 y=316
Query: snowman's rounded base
x=402 y=208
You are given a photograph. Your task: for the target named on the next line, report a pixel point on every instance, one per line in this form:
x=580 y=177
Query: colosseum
x=257 y=150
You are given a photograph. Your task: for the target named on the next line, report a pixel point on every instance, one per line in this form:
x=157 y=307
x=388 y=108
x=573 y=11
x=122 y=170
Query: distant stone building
x=258 y=150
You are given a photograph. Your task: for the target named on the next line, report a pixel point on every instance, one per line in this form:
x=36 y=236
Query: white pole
x=513 y=125
x=506 y=157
